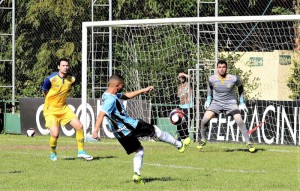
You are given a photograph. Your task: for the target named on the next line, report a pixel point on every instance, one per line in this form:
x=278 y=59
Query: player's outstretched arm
x=133 y=94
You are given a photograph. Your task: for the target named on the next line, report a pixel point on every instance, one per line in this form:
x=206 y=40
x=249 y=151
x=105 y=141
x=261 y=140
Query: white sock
x=138 y=161
x=166 y=137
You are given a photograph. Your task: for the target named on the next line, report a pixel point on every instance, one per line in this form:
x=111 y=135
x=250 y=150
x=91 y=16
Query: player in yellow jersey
x=56 y=112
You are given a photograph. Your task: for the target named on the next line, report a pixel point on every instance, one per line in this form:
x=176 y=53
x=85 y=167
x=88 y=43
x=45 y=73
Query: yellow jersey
x=58 y=89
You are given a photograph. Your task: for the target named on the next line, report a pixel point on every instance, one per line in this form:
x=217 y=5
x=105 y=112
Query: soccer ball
x=30 y=132
x=177 y=117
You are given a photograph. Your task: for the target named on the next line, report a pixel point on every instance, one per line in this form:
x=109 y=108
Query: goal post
x=153 y=51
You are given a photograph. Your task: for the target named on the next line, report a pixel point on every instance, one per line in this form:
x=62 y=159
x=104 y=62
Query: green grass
x=25 y=165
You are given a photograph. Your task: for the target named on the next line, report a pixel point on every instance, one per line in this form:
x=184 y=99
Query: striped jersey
x=121 y=123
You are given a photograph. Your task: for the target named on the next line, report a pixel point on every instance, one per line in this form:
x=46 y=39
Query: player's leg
x=53 y=125
x=77 y=125
x=183 y=129
x=145 y=129
x=54 y=134
x=131 y=144
x=242 y=126
x=137 y=165
x=167 y=138
x=203 y=127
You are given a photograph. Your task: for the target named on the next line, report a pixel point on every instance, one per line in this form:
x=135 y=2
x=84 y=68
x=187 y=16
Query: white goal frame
x=187 y=20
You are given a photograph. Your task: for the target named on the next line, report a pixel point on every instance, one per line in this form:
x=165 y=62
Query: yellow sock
x=80 y=139
x=53 y=144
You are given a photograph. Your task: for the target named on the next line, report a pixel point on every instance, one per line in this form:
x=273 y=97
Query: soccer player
x=185 y=103
x=222 y=98
x=127 y=129
x=57 y=112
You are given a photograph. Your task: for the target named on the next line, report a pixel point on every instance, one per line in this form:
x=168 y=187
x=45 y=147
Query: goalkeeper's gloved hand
x=207 y=102
x=243 y=106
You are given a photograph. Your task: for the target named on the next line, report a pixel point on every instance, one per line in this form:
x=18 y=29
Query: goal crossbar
x=227 y=19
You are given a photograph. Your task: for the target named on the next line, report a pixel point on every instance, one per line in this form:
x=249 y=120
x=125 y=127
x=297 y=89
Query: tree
x=47 y=30
x=294 y=81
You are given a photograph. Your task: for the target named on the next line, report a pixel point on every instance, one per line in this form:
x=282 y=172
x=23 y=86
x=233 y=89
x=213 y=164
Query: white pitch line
x=205 y=169
x=170 y=165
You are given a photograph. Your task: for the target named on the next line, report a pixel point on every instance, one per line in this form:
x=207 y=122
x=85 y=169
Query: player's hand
x=207 y=103
x=181 y=74
x=148 y=89
x=243 y=106
x=95 y=134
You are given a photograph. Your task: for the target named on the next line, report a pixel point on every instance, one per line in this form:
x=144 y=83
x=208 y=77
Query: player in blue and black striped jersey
x=127 y=129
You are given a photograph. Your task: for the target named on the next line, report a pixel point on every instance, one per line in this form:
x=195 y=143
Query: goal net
x=260 y=49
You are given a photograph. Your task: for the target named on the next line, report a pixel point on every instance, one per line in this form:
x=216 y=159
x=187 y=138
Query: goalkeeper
x=224 y=99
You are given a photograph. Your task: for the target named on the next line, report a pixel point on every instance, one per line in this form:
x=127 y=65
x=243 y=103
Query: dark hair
x=116 y=77
x=222 y=62
x=62 y=59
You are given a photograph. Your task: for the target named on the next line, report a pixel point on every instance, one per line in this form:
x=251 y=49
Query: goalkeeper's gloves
x=243 y=106
x=207 y=102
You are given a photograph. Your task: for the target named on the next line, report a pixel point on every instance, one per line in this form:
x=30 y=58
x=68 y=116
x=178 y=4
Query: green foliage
x=294 y=81
x=282 y=11
x=53 y=30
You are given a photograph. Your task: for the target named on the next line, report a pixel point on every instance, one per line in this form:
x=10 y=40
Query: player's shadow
x=161 y=179
x=95 y=158
x=243 y=150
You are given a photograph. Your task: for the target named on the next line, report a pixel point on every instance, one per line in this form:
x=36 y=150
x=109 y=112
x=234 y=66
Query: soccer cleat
x=185 y=143
x=137 y=179
x=53 y=157
x=84 y=155
x=251 y=148
x=201 y=144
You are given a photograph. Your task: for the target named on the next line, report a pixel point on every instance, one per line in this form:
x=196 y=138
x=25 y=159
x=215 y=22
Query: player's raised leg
x=166 y=137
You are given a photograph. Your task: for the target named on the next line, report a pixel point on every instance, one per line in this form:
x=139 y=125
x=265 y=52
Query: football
x=177 y=117
x=30 y=132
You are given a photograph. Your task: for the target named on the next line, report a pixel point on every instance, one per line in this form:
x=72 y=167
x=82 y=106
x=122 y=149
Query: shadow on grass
x=243 y=150
x=161 y=179
x=11 y=172
x=149 y=179
x=95 y=158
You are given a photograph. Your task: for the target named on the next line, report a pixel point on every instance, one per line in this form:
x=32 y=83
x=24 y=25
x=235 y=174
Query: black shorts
x=131 y=142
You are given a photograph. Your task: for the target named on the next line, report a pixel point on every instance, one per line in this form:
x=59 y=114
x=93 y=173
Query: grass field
x=25 y=165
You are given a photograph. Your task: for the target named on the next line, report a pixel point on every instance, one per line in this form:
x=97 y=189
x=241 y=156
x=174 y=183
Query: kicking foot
x=185 y=143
